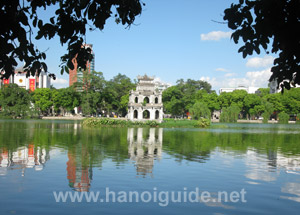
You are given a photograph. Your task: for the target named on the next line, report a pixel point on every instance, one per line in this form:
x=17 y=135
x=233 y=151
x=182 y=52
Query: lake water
x=235 y=169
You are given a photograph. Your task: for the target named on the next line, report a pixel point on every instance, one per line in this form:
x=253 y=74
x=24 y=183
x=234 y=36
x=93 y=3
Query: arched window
x=146 y=100
x=156 y=100
x=146 y=114
x=135 y=114
x=136 y=100
x=157 y=114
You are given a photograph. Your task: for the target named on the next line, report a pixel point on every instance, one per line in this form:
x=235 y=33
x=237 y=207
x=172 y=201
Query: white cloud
x=222 y=70
x=229 y=74
x=216 y=35
x=257 y=62
x=60 y=83
x=251 y=79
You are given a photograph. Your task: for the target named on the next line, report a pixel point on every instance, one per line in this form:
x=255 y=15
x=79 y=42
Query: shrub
x=283 y=118
x=94 y=122
x=202 y=123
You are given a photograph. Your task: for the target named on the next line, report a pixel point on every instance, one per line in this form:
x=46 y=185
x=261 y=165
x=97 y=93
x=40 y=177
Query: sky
x=171 y=39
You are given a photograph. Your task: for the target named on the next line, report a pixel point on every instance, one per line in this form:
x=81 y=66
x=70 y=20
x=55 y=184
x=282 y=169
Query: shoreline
x=63 y=117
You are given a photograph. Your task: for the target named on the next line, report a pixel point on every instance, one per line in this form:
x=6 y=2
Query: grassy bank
x=96 y=122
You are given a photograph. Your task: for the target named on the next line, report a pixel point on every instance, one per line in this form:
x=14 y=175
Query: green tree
x=263 y=92
x=22 y=20
x=232 y=98
x=124 y=104
x=90 y=102
x=66 y=99
x=172 y=99
x=211 y=99
x=175 y=107
x=42 y=99
x=252 y=105
x=119 y=86
x=268 y=110
x=291 y=101
x=230 y=114
x=276 y=100
x=14 y=101
x=283 y=118
x=273 y=26
x=200 y=110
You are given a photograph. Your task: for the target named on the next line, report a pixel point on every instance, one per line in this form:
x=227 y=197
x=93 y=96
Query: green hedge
x=94 y=122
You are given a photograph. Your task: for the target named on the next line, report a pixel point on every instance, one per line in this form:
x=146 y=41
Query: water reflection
x=144 y=145
x=79 y=169
x=263 y=157
x=24 y=157
x=291 y=188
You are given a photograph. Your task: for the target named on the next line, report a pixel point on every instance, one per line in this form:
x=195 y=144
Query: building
x=250 y=90
x=76 y=74
x=28 y=83
x=161 y=86
x=145 y=103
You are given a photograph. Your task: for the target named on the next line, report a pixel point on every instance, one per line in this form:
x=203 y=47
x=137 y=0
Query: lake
x=59 y=167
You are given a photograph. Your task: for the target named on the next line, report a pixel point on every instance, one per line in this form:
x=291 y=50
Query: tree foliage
x=22 y=20
x=14 y=101
x=200 y=110
x=271 y=26
x=180 y=98
x=230 y=114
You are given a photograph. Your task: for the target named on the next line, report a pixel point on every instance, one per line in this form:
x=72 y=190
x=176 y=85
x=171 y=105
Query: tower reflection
x=79 y=170
x=144 y=146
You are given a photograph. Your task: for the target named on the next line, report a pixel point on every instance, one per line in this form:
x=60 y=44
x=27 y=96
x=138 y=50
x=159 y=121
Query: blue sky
x=172 y=39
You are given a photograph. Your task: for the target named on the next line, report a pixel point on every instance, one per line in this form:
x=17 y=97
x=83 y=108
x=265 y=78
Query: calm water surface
x=38 y=158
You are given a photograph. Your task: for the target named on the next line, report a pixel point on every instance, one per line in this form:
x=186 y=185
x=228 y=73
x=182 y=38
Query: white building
x=160 y=85
x=250 y=90
x=31 y=82
x=145 y=103
x=273 y=87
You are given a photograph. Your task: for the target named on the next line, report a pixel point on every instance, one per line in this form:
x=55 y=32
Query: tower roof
x=145 y=77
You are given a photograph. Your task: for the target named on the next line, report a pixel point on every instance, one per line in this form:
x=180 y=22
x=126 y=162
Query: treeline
x=200 y=102
x=94 y=96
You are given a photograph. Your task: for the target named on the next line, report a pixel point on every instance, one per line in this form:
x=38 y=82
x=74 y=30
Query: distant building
x=161 y=86
x=273 y=86
x=250 y=90
x=146 y=101
x=76 y=74
x=31 y=82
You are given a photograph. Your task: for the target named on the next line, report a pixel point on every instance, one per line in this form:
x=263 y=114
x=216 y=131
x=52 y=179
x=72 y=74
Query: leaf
x=40 y=24
x=34 y=21
x=287 y=85
x=66 y=70
x=257 y=50
x=44 y=66
x=52 y=20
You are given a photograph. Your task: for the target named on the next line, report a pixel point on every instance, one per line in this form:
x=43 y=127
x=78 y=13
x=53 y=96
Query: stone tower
x=145 y=103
